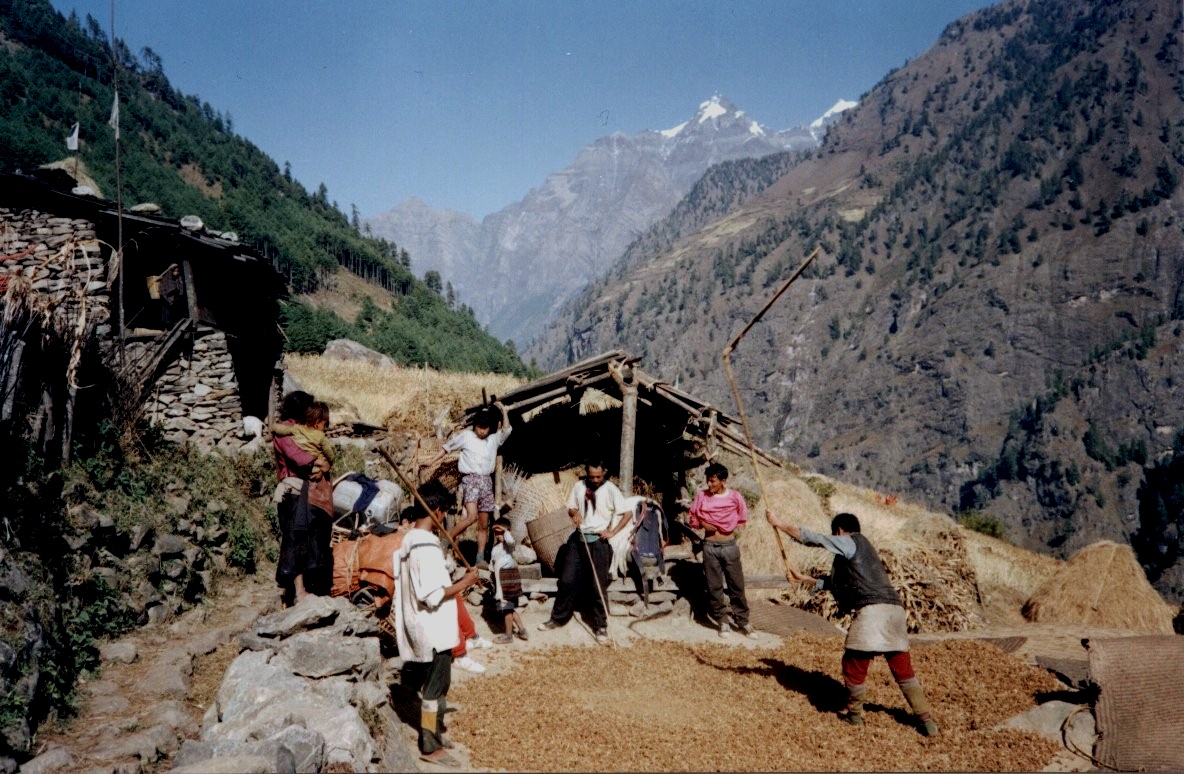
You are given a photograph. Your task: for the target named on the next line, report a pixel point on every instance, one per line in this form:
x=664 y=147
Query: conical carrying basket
x=548 y=533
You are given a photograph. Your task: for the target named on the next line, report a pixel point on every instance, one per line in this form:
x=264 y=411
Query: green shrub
x=981 y=522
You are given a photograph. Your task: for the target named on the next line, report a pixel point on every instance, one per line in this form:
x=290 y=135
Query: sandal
x=520 y=633
x=502 y=639
x=441 y=758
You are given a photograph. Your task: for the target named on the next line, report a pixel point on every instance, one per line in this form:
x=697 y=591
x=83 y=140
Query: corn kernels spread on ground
x=661 y=706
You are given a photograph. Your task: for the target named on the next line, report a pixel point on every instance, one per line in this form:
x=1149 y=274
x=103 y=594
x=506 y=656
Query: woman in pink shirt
x=719 y=512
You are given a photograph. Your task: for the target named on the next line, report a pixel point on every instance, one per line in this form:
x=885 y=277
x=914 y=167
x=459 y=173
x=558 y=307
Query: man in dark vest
x=860 y=585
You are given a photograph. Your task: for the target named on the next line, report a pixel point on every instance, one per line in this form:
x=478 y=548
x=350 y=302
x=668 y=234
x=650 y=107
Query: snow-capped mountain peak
x=838 y=107
x=716 y=112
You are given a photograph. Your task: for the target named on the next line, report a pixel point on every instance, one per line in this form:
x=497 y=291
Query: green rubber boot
x=854 y=712
x=914 y=694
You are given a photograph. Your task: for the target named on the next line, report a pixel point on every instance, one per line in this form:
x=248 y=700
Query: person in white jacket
x=426 y=628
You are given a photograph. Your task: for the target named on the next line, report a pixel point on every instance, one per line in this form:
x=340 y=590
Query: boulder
x=345 y=349
x=323 y=653
x=53 y=759
x=311 y=612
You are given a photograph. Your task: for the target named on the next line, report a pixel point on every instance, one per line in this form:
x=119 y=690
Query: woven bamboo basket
x=548 y=533
x=386 y=626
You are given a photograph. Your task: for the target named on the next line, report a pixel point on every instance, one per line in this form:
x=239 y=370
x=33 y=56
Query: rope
x=1073 y=748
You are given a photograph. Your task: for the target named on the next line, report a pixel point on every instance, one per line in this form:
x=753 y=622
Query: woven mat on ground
x=784 y=620
x=1139 y=710
x=1005 y=644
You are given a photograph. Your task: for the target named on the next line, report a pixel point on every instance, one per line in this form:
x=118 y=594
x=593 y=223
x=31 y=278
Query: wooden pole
x=727 y=358
x=190 y=292
x=623 y=375
x=419 y=499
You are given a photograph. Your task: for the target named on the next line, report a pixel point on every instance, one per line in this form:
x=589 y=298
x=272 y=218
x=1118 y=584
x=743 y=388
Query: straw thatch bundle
x=1101 y=585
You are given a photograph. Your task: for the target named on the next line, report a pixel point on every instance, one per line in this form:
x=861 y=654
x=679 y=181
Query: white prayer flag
x=72 y=140
x=113 y=121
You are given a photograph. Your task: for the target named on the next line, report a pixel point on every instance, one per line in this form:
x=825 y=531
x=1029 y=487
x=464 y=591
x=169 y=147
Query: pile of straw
x=1101 y=585
x=935 y=581
x=401 y=399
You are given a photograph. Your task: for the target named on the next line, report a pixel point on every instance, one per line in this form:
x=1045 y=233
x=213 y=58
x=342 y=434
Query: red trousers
x=857 y=662
x=468 y=629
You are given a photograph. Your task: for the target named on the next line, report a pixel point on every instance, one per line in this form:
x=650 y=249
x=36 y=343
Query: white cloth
x=879 y=629
x=425 y=621
x=609 y=502
x=477 y=455
x=622 y=542
x=501 y=558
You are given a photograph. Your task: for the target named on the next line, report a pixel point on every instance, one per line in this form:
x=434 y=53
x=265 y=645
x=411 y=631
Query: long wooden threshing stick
x=727 y=358
x=415 y=493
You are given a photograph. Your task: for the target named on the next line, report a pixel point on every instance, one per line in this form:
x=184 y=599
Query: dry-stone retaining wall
x=196 y=398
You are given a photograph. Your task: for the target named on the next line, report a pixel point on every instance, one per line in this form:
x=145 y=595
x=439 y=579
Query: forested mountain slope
x=996 y=323
x=181 y=153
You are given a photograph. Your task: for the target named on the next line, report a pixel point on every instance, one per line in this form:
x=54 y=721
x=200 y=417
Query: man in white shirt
x=425 y=619
x=598 y=510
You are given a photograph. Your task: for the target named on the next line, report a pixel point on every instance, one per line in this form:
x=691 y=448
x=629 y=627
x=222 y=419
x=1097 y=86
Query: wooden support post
x=497 y=487
x=12 y=378
x=190 y=293
x=624 y=377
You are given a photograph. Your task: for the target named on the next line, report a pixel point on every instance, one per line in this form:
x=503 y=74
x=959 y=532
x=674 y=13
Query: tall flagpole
x=118 y=186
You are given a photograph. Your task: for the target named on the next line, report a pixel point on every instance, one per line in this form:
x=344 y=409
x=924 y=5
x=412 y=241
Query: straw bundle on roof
x=1101 y=585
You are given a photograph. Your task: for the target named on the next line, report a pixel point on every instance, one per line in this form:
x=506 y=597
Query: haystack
x=1101 y=585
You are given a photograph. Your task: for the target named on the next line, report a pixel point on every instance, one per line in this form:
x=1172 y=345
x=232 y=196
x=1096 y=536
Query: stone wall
x=58 y=256
x=196 y=398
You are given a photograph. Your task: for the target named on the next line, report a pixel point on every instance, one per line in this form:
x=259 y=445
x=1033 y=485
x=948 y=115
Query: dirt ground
x=668 y=694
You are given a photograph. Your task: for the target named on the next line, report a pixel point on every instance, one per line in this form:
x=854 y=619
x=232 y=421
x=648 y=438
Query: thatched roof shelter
x=584 y=410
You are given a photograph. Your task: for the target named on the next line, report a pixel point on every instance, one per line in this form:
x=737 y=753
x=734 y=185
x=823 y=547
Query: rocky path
x=154 y=687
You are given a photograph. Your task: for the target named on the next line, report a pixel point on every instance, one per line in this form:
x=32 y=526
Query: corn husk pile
x=664 y=706
x=935 y=580
x=1101 y=585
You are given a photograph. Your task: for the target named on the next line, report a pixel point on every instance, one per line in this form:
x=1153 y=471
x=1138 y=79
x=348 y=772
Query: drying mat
x=1139 y=712
x=784 y=620
x=1005 y=644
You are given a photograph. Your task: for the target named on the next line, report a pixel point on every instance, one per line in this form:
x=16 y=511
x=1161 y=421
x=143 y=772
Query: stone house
x=86 y=337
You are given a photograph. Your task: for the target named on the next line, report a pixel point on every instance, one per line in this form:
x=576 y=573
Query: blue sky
x=468 y=105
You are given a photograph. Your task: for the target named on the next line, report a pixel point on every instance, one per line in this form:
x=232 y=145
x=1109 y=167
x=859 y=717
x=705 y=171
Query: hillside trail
x=155 y=684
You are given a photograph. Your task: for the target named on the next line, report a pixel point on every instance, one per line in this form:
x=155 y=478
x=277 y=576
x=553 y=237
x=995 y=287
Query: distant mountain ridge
x=518 y=265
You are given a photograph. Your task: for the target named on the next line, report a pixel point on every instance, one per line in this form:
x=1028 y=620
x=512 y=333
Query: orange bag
x=376 y=556
x=345 y=568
